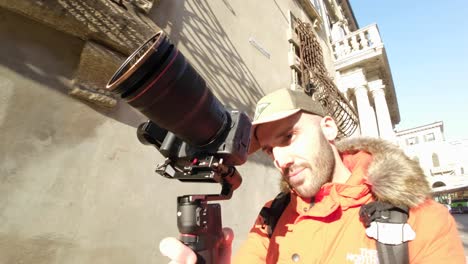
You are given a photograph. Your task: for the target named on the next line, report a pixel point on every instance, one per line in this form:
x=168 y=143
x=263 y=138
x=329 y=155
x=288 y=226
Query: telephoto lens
x=158 y=81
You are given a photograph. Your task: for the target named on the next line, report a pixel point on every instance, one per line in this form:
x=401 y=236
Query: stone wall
x=76 y=186
x=111 y=31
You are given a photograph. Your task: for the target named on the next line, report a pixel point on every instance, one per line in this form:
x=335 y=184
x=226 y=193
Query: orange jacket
x=330 y=231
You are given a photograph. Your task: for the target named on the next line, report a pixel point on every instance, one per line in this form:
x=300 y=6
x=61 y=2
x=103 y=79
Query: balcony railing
x=357 y=42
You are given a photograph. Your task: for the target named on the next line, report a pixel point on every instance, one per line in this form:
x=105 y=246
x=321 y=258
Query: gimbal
x=200 y=140
x=198 y=221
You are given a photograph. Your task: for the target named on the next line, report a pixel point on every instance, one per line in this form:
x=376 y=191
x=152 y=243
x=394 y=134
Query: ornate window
x=310 y=75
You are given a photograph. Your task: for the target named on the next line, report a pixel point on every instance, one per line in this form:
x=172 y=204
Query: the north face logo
x=259 y=110
x=365 y=256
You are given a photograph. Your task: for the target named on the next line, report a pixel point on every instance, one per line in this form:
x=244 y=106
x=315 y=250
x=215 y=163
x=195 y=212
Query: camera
x=200 y=139
x=187 y=123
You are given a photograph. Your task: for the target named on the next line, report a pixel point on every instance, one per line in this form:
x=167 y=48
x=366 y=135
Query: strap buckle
x=390 y=233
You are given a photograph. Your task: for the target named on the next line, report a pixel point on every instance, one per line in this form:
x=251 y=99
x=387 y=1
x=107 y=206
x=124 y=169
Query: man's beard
x=321 y=170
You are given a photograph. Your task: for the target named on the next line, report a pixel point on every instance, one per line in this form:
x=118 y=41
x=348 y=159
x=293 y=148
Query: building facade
x=444 y=162
x=363 y=74
x=76 y=186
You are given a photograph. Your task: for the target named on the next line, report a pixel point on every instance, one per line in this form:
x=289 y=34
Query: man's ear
x=329 y=128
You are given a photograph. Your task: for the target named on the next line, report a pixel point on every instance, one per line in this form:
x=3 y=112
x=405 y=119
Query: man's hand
x=181 y=254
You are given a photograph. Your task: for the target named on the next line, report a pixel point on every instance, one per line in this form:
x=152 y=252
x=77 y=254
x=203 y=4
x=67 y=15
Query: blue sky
x=427 y=48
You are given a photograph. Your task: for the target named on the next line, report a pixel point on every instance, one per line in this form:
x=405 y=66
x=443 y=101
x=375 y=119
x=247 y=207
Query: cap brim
x=254 y=144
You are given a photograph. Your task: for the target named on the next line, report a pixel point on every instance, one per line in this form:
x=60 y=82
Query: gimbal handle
x=200 y=227
x=199 y=222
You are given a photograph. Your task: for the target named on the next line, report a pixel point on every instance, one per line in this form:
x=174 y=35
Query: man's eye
x=289 y=136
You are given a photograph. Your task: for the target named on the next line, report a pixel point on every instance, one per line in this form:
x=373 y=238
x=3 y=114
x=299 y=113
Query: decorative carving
x=104 y=21
x=143 y=5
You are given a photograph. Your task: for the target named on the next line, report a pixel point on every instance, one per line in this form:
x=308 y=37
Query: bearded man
x=325 y=183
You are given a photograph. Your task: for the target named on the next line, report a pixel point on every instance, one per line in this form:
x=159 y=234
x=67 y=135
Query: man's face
x=299 y=150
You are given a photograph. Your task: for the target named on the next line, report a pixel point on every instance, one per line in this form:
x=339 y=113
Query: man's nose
x=282 y=158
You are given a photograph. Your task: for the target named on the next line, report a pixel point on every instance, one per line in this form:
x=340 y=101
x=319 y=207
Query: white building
x=363 y=75
x=442 y=161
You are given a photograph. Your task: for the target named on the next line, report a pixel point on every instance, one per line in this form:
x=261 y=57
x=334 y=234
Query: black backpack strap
x=272 y=214
x=387 y=213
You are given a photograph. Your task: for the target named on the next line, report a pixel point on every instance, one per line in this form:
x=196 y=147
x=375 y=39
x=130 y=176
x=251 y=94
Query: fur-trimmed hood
x=395 y=178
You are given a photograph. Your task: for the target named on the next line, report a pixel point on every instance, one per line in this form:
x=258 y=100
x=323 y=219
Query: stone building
x=76 y=184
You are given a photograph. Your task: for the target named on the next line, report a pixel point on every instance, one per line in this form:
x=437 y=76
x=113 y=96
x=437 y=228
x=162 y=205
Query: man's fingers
x=225 y=249
x=181 y=254
x=228 y=237
x=176 y=251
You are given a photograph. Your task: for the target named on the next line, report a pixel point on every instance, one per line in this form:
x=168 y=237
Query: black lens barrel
x=158 y=81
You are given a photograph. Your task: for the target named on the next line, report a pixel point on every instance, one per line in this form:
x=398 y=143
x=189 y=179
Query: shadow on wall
x=214 y=56
x=195 y=25
x=27 y=48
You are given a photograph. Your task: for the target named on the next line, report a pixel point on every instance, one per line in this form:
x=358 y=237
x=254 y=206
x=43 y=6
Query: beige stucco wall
x=76 y=186
x=215 y=36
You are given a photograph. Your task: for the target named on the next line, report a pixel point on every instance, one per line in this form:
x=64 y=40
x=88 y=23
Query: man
x=327 y=183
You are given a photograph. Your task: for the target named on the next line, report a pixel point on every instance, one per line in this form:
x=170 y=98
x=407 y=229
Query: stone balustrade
x=356 y=42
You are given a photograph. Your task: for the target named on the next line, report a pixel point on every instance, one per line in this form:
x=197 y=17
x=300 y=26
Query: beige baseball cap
x=278 y=105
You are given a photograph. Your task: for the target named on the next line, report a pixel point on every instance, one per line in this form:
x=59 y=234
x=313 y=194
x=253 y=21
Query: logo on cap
x=259 y=110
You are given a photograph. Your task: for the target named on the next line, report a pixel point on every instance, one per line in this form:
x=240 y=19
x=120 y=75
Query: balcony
x=364 y=49
x=358 y=47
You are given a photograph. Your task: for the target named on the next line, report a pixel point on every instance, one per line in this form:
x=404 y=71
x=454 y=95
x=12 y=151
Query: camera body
x=206 y=163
